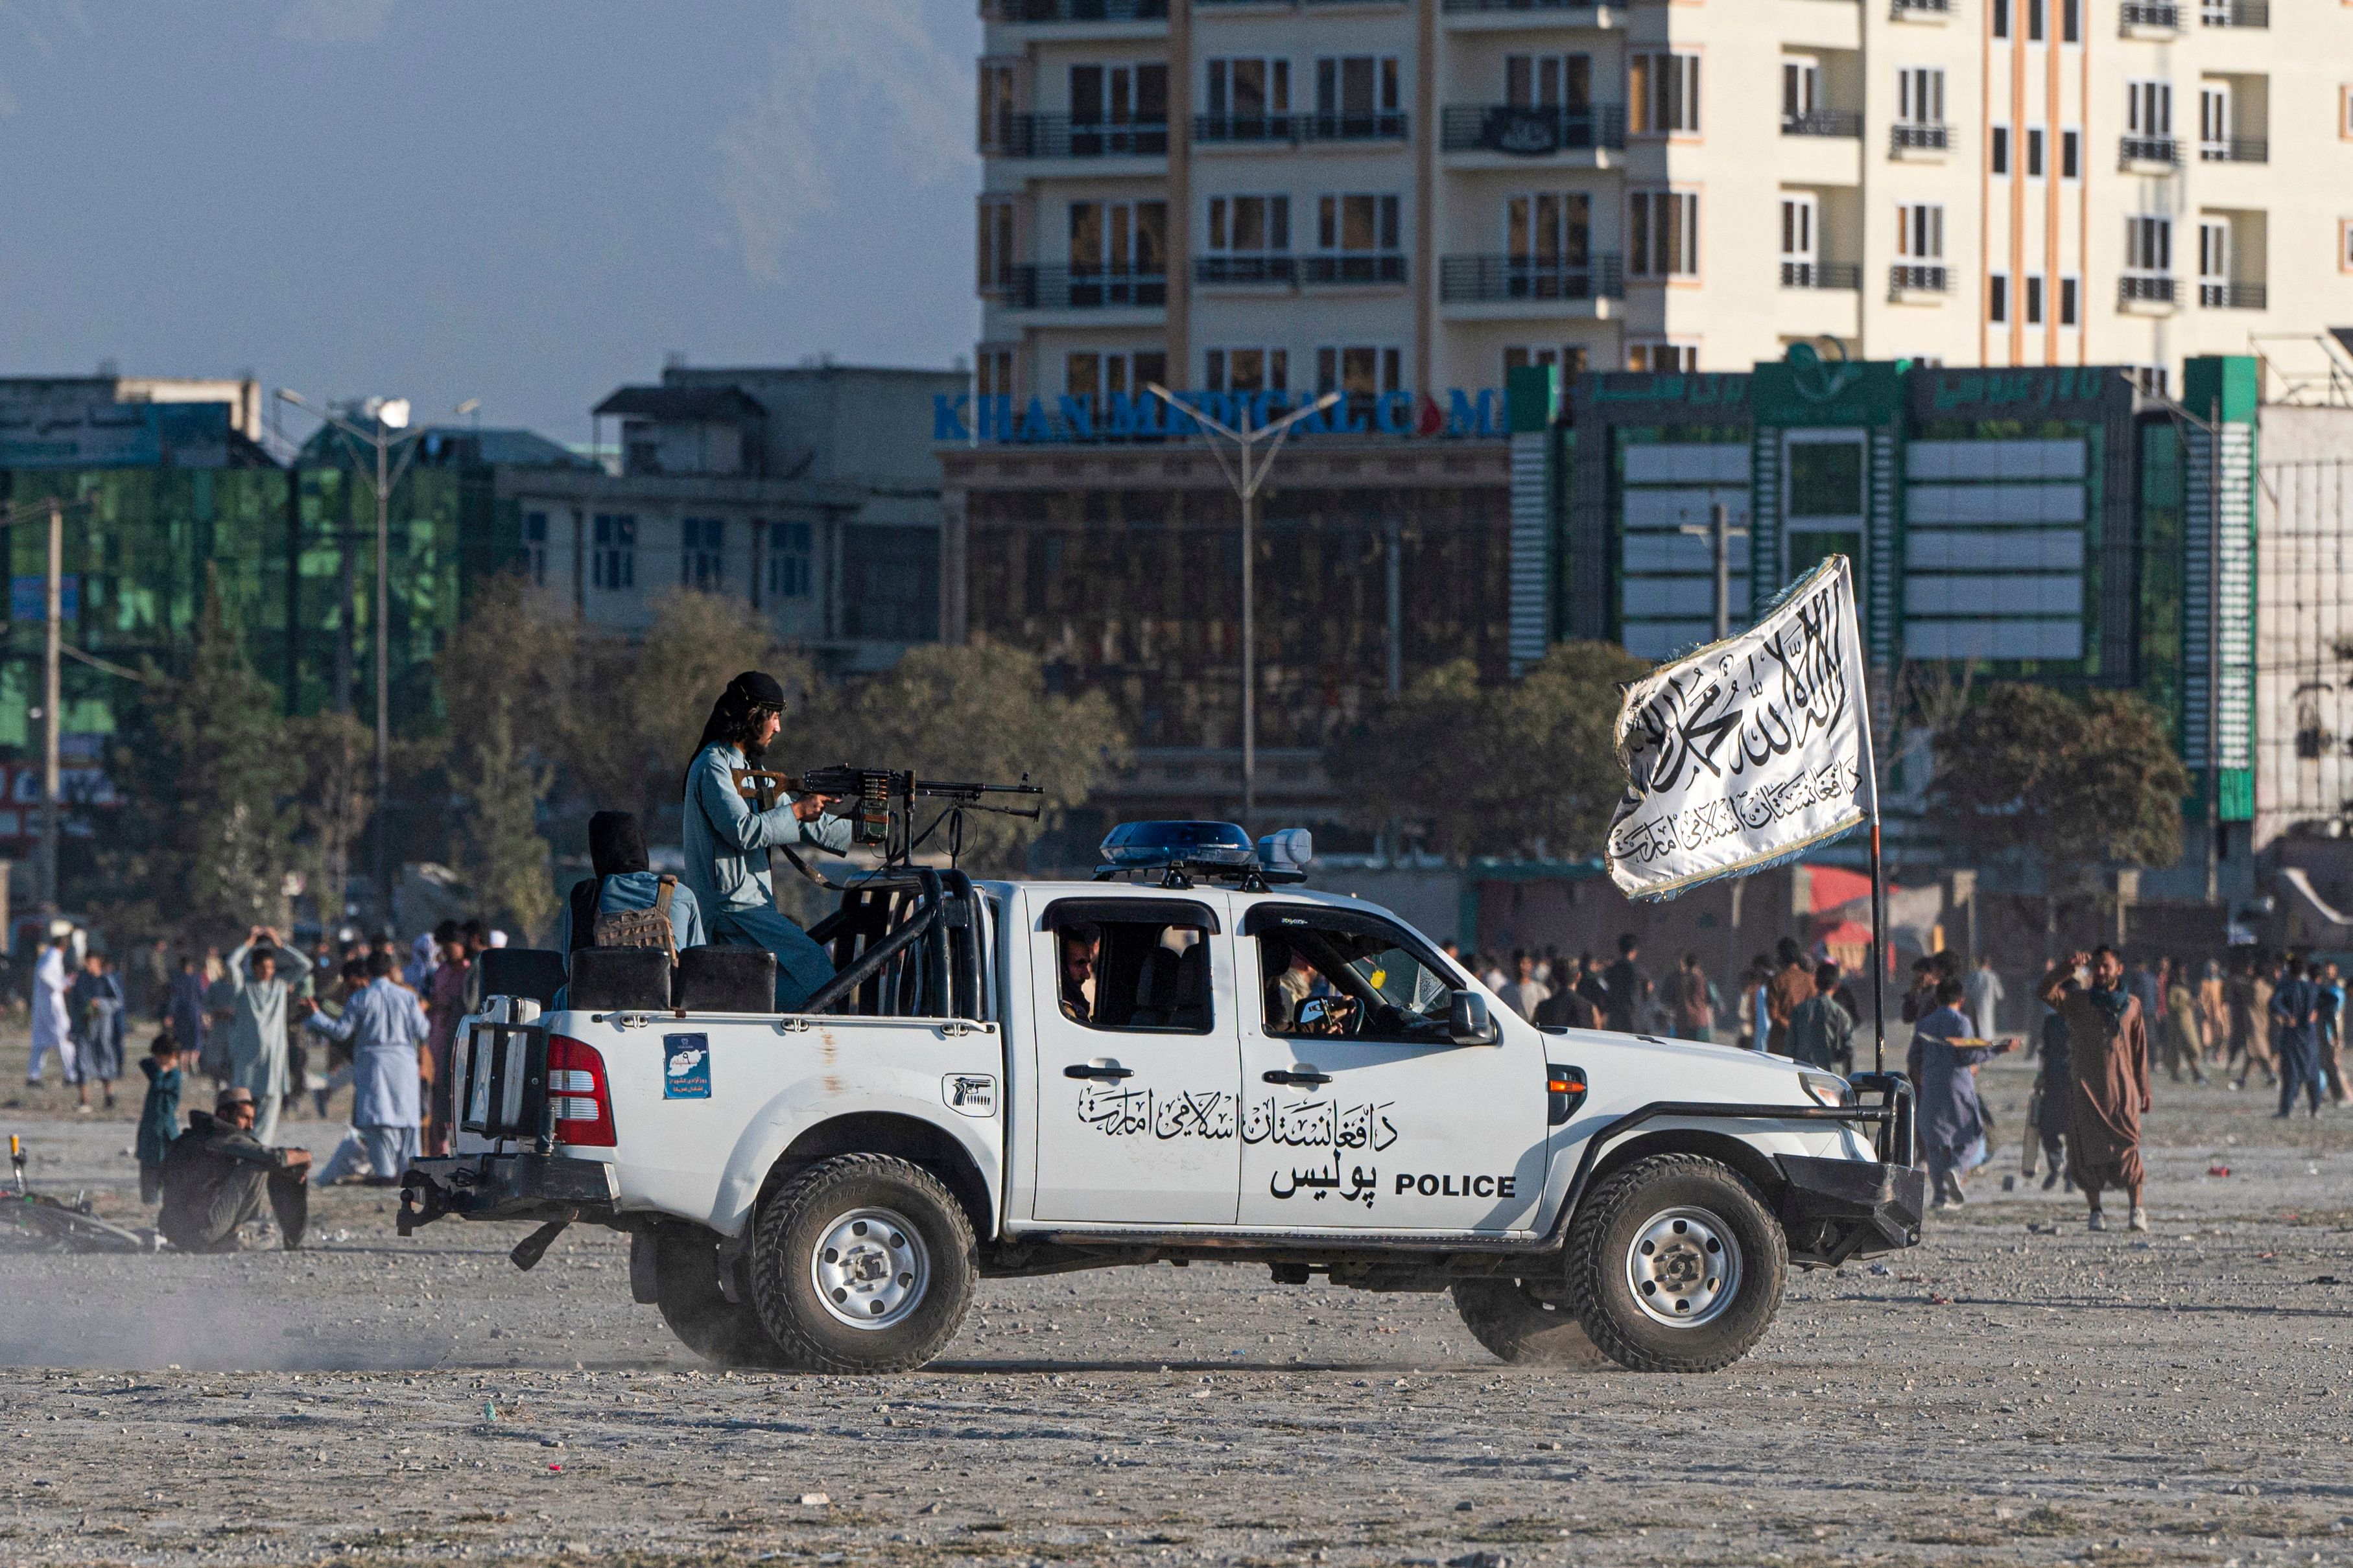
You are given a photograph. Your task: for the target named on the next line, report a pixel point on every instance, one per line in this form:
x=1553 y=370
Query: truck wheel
x=1522 y=1327
x=1676 y=1265
x=686 y=1293
x=862 y=1263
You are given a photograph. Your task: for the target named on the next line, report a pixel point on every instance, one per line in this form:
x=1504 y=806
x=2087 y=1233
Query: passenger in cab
x=1082 y=946
x=1293 y=980
x=727 y=841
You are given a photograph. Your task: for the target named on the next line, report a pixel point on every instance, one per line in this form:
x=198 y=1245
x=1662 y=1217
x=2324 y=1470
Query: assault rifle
x=882 y=802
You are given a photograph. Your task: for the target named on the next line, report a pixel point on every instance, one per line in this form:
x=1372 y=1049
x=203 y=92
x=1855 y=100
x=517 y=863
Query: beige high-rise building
x=1415 y=194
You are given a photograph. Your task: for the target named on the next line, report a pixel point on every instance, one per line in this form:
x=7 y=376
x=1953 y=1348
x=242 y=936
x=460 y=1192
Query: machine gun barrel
x=969 y=794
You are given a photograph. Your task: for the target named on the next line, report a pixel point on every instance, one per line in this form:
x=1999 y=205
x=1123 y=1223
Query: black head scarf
x=733 y=715
x=615 y=845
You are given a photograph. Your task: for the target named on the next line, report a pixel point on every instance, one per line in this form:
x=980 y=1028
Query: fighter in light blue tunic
x=383 y=1025
x=727 y=841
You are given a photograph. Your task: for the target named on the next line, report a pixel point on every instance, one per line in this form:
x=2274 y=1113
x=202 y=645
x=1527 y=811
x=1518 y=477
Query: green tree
x=2077 y=784
x=203 y=844
x=1525 y=767
x=977 y=713
x=335 y=798
x=504 y=660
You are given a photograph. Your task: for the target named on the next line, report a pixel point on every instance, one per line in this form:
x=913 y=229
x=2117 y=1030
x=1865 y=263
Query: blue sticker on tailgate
x=686 y=1066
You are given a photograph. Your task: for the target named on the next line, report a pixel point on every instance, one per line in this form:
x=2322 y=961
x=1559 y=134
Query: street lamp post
x=1246 y=472
x=388 y=417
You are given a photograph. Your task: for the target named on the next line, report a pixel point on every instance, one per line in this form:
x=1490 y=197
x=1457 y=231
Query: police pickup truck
x=1190 y=1059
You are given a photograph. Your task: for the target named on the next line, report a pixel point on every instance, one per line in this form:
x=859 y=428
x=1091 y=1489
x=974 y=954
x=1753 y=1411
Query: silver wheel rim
x=1683 y=1268
x=870 y=1269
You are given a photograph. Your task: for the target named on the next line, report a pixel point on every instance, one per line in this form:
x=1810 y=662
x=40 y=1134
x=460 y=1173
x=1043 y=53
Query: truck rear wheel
x=687 y=1294
x=1676 y=1265
x=862 y=1263
x=1524 y=1327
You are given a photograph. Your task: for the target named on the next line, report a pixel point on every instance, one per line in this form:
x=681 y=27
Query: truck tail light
x=578 y=1094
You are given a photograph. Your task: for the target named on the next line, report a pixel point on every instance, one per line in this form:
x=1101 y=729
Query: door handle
x=1304 y=1077
x=1106 y=1071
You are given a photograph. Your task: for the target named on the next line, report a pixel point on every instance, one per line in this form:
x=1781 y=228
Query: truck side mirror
x=1468 y=1023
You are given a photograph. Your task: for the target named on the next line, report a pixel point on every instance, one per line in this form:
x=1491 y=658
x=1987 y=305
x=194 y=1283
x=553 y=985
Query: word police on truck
x=1192 y=1057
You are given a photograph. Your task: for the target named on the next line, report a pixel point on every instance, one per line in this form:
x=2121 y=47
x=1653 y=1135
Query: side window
x=1356 y=978
x=1146 y=975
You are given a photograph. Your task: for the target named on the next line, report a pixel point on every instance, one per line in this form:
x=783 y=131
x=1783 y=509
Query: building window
x=1356 y=96
x=2000 y=12
x=2152 y=379
x=1662 y=357
x=1549 y=81
x=1246 y=370
x=1997 y=298
x=1998 y=149
x=1096 y=375
x=2148 y=243
x=1000 y=101
x=1920 y=95
x=2345 y=245
x=1569 y=359
x=615 y=560
x=1249 y=240
x=2034 y=9
x=1662 y=93
x=1663 y=234
x=1249 y=99
x=1365 y=372
x=1120 y=108
x=534 y=547
x=790 y=558
x=993 y=267
x=1112 y=245
x=2071 y=21
x=1920 y=231
x=2149 y=108
x=992 y=374
x=2033 y=300
x=703 y=553
x=1359 y=236
x=2034 y=146
x=1545 y=234
x=2070 y=154
x=2344 y=113
x=1801 y=87
x=2070 y=293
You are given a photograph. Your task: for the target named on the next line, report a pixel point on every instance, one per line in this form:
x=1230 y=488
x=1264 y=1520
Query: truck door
x=1138 y=1065
x=1359 y=1112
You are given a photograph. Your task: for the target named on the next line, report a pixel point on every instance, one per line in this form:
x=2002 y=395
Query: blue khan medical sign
x=963 y=418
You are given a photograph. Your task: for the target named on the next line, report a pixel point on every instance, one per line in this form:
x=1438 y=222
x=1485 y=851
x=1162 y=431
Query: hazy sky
x=525 y=201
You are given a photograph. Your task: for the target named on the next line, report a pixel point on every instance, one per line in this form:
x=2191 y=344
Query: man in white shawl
x=384 y=1025
x=52 y=1020
x=262 y=974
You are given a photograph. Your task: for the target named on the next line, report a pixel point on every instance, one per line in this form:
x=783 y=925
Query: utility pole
x=381 y=634
x=1246 y=479
x=52 y=695
x=1720 y=534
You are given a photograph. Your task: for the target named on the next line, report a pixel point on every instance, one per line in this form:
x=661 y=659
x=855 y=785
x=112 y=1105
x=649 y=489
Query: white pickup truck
x=1185 y=1059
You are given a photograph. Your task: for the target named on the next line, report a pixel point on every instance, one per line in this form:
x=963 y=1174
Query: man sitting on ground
x=217 y=1174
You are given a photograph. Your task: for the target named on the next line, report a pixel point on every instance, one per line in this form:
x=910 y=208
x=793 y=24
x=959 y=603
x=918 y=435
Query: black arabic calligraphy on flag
x=1750 y=751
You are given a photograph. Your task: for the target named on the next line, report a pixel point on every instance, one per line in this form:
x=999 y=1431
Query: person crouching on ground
x=159 y=1114
x=1951 y=1118
x=727 y=842
x=217 y=1175
x=384 y=1025
x=2107 y=1040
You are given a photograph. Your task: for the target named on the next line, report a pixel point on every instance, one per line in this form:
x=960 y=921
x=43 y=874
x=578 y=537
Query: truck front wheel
x=1521 y=1326
x=862 y=1263
x=1676 y=1265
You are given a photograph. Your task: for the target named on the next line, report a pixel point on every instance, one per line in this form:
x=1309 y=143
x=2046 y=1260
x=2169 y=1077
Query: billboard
x=71 y=425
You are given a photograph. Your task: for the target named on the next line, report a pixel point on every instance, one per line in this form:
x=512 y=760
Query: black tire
x=1524 y=1328
x=894 y=1242
x=1715 y=1263
x=686 y=1293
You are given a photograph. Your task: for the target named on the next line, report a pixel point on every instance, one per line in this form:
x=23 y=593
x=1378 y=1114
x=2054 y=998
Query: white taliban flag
x=1751 y=750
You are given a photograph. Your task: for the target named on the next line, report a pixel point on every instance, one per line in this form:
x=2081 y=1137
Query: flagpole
x=1878 y=947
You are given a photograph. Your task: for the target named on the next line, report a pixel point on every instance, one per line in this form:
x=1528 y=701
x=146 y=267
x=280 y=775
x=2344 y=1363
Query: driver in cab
x=1300 y=999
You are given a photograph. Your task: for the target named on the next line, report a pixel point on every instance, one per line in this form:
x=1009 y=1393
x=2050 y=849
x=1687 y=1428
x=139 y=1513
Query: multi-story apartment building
x=1413 y=194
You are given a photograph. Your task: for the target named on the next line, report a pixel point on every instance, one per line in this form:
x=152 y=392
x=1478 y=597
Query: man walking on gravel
x=2109 y=1039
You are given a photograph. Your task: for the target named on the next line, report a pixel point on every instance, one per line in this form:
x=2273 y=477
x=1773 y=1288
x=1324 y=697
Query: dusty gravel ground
x=2007 y=1392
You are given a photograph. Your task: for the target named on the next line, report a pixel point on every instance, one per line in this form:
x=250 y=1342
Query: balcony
x=2214 y=294
x=2137 y=17
x=1058 y=288
x=2235 y=149
x=1531 y=131
x=1917 y=278
x=1059 y=136
x=1074 y=10
x=2141 y=152
x=1294 y=128
x=1821 y=123
x=2145 y=289
x=2234 y=14
x=1353 y=267
x=1911 y=137
x=1821 y=275
x=1243 y=268
x=1475 y=6
x=1492 y=279
x=1921 y=10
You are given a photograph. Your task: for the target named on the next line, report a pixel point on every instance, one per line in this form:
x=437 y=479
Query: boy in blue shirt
x=159 y=1115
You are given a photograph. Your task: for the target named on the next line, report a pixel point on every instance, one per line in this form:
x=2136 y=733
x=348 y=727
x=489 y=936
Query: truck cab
x=1192 y=1057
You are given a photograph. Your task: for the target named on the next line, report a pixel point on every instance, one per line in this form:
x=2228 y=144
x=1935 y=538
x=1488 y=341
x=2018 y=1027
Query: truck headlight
x=1827 y=1089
